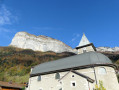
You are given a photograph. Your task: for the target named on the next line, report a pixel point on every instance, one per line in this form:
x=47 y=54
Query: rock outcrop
x=39 y=43
x=107 y=49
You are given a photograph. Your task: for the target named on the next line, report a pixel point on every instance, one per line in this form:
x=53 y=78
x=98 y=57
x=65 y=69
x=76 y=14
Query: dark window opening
x=73 y=84
x=84 y=51
x=39 y=78
x=60 y=89
x=57 y=76
x=72 y=75
x=60 y=82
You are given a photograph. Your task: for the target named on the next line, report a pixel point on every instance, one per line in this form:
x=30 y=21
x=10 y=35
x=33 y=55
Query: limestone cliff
x=108 y=49
x=39 y=43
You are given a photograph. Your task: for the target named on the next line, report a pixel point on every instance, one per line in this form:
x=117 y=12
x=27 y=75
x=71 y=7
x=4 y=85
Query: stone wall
x=87 y=49
x=48 y=82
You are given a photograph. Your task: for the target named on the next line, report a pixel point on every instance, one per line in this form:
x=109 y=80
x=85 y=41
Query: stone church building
x=78 y=72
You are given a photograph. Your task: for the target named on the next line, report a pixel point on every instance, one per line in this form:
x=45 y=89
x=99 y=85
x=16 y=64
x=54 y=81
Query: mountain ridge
x=42 y=43
x=107 y=49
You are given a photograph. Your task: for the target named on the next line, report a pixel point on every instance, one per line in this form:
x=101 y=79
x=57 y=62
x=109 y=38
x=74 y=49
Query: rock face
x=39 y=43
x=107 y=49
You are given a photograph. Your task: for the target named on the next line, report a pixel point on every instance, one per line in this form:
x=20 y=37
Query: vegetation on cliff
x=15 y=63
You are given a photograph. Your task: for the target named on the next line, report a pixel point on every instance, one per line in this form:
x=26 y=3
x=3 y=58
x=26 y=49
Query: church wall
x=109 y=78
x=48 y=82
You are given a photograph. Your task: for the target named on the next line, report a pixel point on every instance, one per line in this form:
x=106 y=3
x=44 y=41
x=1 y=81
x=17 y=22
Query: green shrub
x=100 y=87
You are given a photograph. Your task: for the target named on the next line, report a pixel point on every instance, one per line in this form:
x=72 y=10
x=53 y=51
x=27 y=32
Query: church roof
x=81 y=60
x=11 y=85
x=84 y=41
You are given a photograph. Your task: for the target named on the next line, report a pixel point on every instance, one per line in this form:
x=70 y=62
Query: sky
x=65 y=20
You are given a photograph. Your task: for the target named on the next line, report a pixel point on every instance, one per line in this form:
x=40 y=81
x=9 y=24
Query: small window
x=84 y=51
x=60 y=89
x=40 y=89
x=102 y=70
x=57 y=76
x=72 y=75
x=73 y=83
x=39 y=78
x=60 y=82
x=27 y=85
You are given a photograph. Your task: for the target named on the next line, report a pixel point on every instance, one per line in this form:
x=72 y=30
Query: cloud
x=76 y=36
x=6 y=17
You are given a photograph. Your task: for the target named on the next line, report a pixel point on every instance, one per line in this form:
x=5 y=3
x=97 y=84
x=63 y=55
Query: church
x=79 y=72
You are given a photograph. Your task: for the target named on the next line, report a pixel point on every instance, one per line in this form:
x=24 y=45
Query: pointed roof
x=84 y=41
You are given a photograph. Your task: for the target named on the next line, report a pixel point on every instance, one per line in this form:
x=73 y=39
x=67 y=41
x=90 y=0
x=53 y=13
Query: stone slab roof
x=88 y=58
x=11 y=85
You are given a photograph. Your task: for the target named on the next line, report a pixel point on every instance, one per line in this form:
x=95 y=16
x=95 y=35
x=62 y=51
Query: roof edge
x=75 y=68
x=91 y=44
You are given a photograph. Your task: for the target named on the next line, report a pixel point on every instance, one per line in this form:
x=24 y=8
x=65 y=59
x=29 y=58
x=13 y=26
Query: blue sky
x=65 y=20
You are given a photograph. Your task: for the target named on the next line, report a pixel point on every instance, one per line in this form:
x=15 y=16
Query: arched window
x=57 y=76
x=102 y=70
x=39 y=78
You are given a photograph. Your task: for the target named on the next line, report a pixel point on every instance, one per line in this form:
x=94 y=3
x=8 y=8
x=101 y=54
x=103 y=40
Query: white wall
x=48 y=82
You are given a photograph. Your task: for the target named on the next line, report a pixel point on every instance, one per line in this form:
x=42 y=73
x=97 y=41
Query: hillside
x=15 y=63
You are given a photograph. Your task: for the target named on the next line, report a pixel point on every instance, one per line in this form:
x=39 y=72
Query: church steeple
x=85 y=45
x=84 y=40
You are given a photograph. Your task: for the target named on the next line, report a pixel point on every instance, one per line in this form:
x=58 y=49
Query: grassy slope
x=15 y=63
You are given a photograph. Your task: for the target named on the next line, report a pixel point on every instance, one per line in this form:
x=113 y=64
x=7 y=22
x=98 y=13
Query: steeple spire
x=84 y=41
x=85 y=45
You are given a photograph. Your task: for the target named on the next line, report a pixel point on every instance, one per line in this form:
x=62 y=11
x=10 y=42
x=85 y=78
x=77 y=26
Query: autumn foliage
x=15 y=63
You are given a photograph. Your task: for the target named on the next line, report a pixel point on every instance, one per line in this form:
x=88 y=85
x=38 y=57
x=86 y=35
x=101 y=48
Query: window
x=60 y=89
x=72 y=75
x=57 y=76
x=102 y=71
x=84 y=50
x=39 y=78
x=40 y=89
x=73 y=83
x=60 y=82
x=27 y=85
